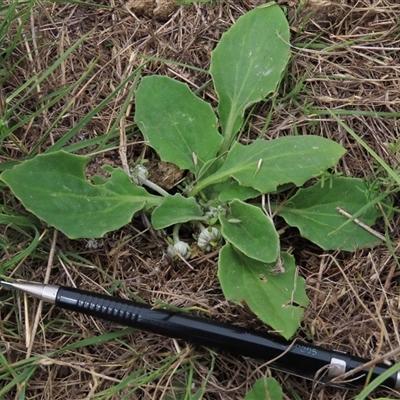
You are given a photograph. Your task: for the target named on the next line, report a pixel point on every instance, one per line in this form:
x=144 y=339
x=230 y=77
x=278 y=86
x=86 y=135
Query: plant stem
x=175 y=233
x=155 y=187
x=225 y=145
x=228 y=136
x=210 y=180
x=200 y=226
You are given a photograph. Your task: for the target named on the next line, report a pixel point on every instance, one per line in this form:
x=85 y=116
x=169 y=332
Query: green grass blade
x=121 y=114
x=65 y=109
x=10 y=16
x=37 y=80
x=22 y=377
x=363 y=113
x=61 y=142
x=376 y=382
x=357 y=138
x=22 y=254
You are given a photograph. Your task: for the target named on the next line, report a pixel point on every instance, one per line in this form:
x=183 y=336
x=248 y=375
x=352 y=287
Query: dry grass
x=354 y=297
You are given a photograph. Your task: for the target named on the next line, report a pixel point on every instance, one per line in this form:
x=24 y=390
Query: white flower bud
x=211 y=213
x=181 y=248
x=139 y=175
x=209 y=239
x=214 y=212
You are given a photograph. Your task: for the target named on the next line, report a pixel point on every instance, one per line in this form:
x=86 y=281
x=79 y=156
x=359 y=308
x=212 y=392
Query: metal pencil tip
x=43 y=292
x=4 y=283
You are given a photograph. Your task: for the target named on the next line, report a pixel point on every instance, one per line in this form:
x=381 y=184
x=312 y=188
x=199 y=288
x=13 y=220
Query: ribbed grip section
x=304 y=359
x=101 y=306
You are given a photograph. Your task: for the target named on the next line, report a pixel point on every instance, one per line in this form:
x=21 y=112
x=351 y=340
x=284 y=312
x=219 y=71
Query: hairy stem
x=155 y=187
x=175 y=233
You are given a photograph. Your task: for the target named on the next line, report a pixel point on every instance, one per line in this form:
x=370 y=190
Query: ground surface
x=355 y=307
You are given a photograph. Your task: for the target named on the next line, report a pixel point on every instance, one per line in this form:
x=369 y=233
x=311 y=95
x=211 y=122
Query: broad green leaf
x=233 y=190
x=272 y=297
x=247 y=64
x=227 y=190
x=267 y=164
x=251 y=231
x=175 y=209
x=176 y=123
x=314 y=211
x=54 y=188
x=265 y=389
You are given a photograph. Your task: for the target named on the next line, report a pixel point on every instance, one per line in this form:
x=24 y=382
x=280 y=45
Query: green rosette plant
x=220 y=198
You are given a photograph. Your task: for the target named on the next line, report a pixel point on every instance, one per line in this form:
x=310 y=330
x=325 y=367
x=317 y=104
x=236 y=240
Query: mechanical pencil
x=301 y=359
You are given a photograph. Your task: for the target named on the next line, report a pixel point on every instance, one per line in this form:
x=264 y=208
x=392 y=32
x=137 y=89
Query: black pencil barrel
x=232 y=339
x=300 y=359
